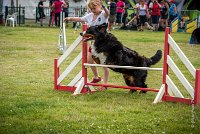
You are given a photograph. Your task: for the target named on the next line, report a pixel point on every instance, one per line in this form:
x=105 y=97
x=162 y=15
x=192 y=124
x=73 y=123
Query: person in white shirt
x=143 y=14
x=97 y=16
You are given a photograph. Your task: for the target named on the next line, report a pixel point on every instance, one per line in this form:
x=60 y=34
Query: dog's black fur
x=117 y=54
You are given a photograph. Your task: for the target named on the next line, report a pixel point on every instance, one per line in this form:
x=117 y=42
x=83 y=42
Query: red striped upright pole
x=84 y=56
x=165 y=65
x=197 y=88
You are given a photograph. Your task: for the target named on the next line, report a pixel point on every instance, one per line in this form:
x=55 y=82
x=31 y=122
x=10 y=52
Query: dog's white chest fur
x=101 y=56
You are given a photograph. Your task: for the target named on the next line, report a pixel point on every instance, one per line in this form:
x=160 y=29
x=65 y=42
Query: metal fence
x=73 y=12
x=79 y=11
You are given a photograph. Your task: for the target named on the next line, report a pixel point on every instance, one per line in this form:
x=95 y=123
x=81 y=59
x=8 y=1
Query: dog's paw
x=142 y=92
x=132 y=91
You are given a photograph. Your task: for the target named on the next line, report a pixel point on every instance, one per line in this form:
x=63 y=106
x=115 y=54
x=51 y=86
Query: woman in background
x=164 y=13
x=172 y=11
x=155 y=14
x=143 y=15
x=57 y=5
x=120 y=11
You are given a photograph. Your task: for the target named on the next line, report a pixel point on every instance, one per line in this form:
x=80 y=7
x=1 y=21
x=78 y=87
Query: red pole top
x=84 y=28
x=167 y=29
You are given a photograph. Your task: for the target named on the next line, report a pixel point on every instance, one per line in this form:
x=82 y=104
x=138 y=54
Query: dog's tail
x=155 y=59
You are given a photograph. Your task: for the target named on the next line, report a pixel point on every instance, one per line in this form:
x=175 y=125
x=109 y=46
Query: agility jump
x=191 y=25
x=167 y=92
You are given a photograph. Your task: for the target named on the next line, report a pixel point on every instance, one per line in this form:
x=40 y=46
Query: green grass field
x=30 y=105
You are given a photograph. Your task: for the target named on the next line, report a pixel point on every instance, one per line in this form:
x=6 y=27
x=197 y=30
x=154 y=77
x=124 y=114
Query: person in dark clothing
x=52 y=14
x=41 y=11
x=164 y=13
x=112 y=17
x=66 y=9
x=125 y=15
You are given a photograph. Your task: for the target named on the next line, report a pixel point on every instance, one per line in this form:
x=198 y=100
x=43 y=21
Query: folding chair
x=12 y=19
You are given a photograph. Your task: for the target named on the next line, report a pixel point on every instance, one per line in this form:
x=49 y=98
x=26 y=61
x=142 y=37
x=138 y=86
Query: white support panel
x=160 y=94
x=69 y=50
x=79 y=87
x=173 y=87
x=70 y=68
x=169 y=90
x=182 y=56
x=64 y=38
x=77 y=84
x=180 y=76
x=89 y=86
x=76 y=79
x=124 y=67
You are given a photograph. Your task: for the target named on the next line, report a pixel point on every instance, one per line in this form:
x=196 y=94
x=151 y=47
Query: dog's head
x=95 y=32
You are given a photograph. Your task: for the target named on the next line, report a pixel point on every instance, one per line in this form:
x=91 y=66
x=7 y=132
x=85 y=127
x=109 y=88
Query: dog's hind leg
x=130 y=81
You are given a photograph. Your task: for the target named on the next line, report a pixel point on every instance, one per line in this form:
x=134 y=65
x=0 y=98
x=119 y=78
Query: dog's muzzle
x=86 y=36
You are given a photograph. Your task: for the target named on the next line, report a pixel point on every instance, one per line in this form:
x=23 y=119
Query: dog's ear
x=102 y=28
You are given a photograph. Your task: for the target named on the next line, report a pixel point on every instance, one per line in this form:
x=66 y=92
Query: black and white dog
x=109 y=51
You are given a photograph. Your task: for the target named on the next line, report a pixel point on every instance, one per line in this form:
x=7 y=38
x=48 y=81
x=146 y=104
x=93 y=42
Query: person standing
x=143 y=14
x=164 y=13
x=66 y=8
x=41 y=11
x=125 y=14
x=155 y=14
x=57 y=5
x=120 y=11
x=97 y=16
x=172 y=11
x=52 y=13
x=112 y=16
